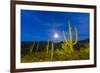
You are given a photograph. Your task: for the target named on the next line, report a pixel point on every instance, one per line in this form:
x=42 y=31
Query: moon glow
x=56 y=35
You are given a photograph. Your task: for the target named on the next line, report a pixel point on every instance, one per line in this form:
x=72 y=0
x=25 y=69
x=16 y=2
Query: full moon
x=56 y=35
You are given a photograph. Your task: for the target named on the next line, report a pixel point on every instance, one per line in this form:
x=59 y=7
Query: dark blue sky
x=42 y=25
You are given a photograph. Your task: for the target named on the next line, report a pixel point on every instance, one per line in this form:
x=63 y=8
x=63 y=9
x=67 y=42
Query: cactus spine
x=70 y=42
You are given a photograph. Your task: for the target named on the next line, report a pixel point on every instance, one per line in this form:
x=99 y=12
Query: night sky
x=42 y=25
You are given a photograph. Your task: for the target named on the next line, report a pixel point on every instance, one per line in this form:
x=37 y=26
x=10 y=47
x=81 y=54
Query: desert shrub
x=66 y=54
x=36 y=57
x=84 y=53
x=60 y=55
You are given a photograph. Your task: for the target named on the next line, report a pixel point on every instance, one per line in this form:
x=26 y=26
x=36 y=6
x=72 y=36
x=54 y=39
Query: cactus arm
x=75 y=42
x=70 y=34
x=70 y=31
x=64 y=37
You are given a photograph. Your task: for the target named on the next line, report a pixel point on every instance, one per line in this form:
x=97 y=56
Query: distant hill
x=42 y=44
x=25 y=45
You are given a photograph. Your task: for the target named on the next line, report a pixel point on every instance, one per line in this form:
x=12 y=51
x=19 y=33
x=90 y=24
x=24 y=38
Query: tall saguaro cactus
x=47 y=48
x=52 y=50
x=31 y=48
x=70 y=42
x=37 y=47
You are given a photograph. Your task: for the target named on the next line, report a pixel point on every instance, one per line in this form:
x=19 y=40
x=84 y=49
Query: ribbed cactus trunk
x=52 y=50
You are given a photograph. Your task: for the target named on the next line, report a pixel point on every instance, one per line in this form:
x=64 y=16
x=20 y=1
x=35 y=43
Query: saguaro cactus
x=47 y=48
x=52 y=50
x=31 y=48
x=37 y=47
x=70 y=42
